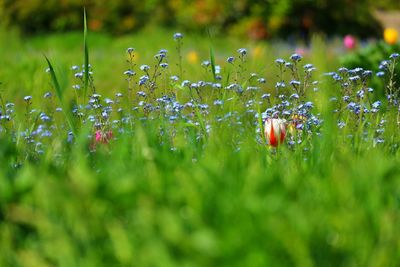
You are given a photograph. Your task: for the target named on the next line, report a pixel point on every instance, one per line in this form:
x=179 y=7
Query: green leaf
x=201 y=121
x=59 y=93
x=260 y=123
x=212 y=59
x=56 y=85
x=86 y=57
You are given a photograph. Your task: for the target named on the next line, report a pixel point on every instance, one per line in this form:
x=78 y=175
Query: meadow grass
x=202 y=188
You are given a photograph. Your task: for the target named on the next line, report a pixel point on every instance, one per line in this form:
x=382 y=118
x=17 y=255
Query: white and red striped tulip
x=275 y=131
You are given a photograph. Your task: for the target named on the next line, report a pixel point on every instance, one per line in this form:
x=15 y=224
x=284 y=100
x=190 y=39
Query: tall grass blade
x=212 y=57
x=59 y=93
x=86 y=58
x=212 y=60
x=56 y=85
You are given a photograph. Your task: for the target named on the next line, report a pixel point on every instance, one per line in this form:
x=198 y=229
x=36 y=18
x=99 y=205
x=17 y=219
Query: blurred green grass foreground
x=145 y=206
x=134 y=202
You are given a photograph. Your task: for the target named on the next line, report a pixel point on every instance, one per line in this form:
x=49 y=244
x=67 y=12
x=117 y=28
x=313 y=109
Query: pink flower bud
x=103 y=137
x=349 y=42
x=275 y=131
x=301 y=51
x=98 y=136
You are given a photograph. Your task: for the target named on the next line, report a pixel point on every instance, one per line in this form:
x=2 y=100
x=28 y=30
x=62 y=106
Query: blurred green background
x=256 y=19
x=144 y=205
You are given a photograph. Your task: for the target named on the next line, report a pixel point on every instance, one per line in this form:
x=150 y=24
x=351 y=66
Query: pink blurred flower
x=103 y=137
x=301 y=51
x=349 y=42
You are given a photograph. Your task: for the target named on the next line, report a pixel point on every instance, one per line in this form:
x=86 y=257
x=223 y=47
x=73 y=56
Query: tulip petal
x=272 y=139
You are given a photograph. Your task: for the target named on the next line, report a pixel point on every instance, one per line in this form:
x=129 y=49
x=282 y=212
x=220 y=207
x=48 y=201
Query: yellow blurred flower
x=296 y=122
x=390 y=35
x=192 y=57
x=257 y=52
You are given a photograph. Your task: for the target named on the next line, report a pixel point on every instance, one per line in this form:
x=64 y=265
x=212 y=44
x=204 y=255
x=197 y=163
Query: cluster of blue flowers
x=240 y=101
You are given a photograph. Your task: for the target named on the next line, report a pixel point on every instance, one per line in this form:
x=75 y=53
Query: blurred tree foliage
x=387 y=4
x=257 y=19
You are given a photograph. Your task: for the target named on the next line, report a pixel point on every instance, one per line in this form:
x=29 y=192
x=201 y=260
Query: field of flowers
x=170 y=150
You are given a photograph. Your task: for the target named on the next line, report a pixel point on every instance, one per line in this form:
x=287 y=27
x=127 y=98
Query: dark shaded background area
x=255 y=19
